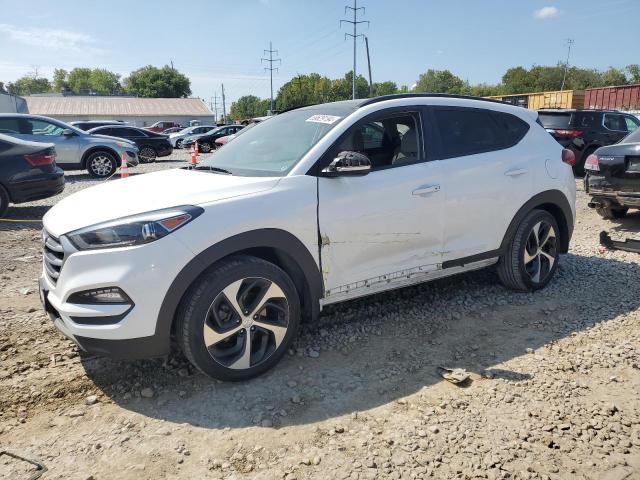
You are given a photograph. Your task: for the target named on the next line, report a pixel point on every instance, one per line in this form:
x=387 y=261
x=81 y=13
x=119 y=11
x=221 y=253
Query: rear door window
x=513 y=128
x=560 y=121
x=467 y=131
x=632 y=123
x=615 y=122
x=9 y=125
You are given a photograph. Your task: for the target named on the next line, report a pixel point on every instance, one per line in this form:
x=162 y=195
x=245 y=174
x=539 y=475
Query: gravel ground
x=553 y=392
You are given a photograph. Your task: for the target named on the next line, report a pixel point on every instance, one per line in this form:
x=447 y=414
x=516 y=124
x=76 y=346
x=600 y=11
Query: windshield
x=273 y=147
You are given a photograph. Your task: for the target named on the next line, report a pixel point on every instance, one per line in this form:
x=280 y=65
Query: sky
x=222 y=41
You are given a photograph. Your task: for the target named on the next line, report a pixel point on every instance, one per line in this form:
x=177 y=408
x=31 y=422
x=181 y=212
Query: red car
x=161 y=126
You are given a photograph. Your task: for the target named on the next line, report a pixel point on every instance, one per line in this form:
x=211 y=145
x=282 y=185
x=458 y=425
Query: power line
x=355 y=22
x=566 y=65
x=271 y=68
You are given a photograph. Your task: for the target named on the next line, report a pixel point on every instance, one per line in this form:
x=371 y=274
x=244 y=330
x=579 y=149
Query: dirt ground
x=554 y=388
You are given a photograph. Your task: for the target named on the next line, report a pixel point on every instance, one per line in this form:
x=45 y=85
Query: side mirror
x=348 y=163
x=67 y=132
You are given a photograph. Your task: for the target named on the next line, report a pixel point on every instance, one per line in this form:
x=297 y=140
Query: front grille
x=52 y=256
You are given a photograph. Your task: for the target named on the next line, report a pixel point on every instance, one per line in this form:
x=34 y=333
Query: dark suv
x=584 y=131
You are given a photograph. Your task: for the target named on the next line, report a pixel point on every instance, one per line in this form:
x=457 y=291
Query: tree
x=60 y=80
x=248 y=106
x=164 y=82
x=80 y=80
x=384 y=88
x=634 y=73
x=104 y=82
x=613 y=76
x=29 y=85
x=2 y=89
x=440 y=81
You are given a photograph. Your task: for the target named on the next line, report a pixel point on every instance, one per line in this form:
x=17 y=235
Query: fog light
x=100 y=295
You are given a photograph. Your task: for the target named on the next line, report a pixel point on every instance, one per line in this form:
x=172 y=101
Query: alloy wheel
x=179 y=143
x=205 y=147
x=101 y=165
x=540 y=252
x=246 y=323
x=147 y=154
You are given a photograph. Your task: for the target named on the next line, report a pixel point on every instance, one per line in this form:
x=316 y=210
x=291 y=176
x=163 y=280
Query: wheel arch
x=99 y=148
x=273 y=245
x=552 y=201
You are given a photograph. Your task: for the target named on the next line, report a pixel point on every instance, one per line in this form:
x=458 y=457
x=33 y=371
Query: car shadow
x=23 y=217
x=627 y=226
x=380 y=348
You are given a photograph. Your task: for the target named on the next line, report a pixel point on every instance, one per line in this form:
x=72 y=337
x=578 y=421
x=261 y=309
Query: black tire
x=206 y=305
x=4 y=201
x=204 y=147
x=101 y=164
x=147 y=154
x=611 y=213
x=517 y=266
x=179 y=143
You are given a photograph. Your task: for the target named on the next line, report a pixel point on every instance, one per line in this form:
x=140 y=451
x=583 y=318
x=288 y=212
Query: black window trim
x=418 y=110
x=437 y=138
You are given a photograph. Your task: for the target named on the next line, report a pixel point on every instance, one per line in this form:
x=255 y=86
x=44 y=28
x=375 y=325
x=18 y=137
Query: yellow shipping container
x=538 y=100
x=558 y=99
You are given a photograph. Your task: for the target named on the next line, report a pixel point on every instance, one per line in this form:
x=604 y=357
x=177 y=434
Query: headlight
x=134 y=230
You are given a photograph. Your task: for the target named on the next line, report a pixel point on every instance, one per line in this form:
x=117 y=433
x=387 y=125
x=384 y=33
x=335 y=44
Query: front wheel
x=4 y=201
x=179 y=143
x=532 y=256
x=238 y=319
x=101 y=164
x=204 y=147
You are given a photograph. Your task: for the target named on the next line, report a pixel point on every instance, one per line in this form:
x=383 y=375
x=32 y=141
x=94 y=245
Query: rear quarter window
x=514 y=129
x=555 y=120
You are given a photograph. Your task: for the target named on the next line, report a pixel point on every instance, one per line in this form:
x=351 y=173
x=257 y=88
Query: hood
x=114 y=199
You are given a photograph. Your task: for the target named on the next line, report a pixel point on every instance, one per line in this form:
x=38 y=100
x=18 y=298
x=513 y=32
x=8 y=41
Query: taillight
x=40 y=159
x=592 y=163
x=568 y=157
x=568 y=133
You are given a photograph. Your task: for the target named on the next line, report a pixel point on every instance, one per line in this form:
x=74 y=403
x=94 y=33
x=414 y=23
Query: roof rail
x=427 y=95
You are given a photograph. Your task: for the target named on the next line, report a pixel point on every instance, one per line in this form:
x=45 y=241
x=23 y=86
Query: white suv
x=314 y=206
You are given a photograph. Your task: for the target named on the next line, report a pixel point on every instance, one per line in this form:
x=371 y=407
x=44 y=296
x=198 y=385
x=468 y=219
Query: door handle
x=426 y=190
x=515 y=172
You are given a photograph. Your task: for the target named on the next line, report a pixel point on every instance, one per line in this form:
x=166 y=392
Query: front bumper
x=125 y=331
x=132 y=158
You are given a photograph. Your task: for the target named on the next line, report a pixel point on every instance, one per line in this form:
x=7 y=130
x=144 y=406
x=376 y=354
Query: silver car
x=76 y=150
x=177 y=138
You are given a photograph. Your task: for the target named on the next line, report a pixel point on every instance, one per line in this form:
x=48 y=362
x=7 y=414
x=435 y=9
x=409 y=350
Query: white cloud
x=49 y=38
x=546 y=12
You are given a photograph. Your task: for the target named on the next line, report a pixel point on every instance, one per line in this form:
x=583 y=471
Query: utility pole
x=271 y=60
x=566 y=65
x=355 y=35
x=214 y=106
x=366 y=42
x=224 y=109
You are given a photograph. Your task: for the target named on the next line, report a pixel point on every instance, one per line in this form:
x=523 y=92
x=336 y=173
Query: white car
x=316 y=206
x=177 y=138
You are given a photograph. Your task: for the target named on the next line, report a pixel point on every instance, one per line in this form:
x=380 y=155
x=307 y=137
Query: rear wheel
x=4 y=201
x=612 y=212
x=147 y=154
x=238 y=318
x=532 y=256
x=101 y=164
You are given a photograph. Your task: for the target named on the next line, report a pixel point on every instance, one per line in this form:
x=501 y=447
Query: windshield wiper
x=209 y=168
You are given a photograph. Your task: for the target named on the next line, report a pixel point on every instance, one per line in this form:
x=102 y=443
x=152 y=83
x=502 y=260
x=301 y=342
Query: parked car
x=584 y=131
x=75 y=149
x=176 y=139
x=613 y=177
x=207 y=142
x=224 y=140
x=300 y=212
x=28 y=172
x=150 y=144
x=161 y=126
x=89 y=124
x=171 y=130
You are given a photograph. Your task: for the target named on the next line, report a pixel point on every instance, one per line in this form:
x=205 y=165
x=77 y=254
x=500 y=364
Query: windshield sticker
x=328 y=119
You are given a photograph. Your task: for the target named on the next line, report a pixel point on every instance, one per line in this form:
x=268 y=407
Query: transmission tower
x=566 y=64
x=271 y=68
x=355 y=22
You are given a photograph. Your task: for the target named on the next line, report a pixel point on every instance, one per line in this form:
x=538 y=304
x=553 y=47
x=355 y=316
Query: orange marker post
x=124 y=170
